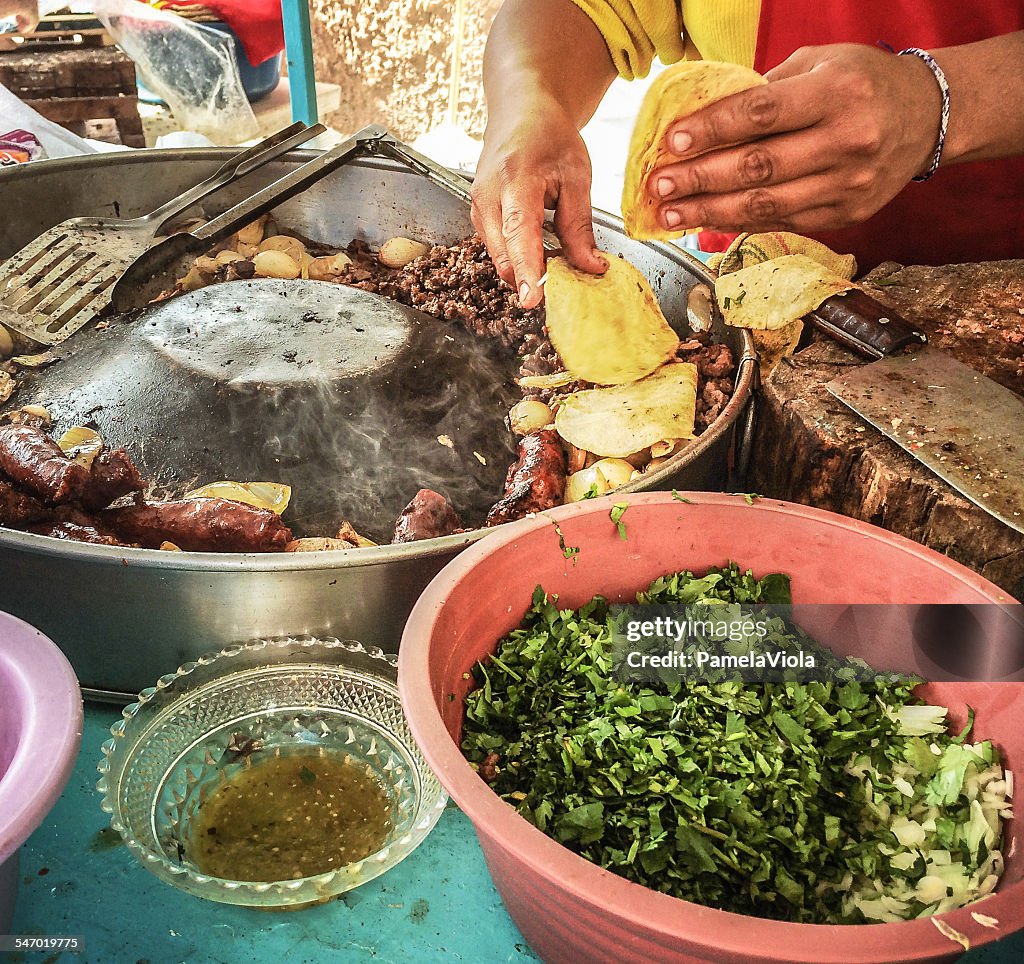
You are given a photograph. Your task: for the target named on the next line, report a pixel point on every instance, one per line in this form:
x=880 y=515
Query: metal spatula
x=59 y=282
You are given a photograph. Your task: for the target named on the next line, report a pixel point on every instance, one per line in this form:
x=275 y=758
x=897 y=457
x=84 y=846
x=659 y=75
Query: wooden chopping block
x=810 y=448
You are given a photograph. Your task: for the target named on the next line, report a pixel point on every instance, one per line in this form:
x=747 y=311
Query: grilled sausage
x=535 y=482
x=428 y=516
x=31 y=459
x=111 y=475
x=76 y=532
x=199 y=525
x=18 y=509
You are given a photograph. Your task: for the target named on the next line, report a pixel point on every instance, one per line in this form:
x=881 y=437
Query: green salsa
x=291 y=816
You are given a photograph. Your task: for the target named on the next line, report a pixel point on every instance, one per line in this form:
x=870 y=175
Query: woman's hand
x=24 y=12
x=539 y=162
x=836 y=133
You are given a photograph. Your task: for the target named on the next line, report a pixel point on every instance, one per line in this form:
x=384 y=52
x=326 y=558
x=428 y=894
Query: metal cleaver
x=962 y=425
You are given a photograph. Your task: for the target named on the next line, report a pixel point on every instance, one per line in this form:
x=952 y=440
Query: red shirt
x=965 y=212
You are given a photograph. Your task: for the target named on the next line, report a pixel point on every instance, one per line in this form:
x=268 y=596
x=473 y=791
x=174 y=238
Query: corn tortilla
x=774 y=293
x=618 y=421
x=677 y=92
x=607 y=329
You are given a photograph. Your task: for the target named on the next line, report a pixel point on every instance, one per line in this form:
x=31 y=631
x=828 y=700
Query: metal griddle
x=337 y=392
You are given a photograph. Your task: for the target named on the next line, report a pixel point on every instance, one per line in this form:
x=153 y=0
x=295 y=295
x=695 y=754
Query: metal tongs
x=70 y=273
x=145 y=278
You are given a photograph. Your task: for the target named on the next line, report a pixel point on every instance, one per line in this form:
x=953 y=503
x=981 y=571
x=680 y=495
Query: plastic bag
x=54 y=140
x=193 y=68
x=19 y=147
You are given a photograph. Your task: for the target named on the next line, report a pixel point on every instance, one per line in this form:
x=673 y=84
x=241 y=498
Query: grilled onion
x=262 y=495
x=597 y=479
x=81 y=444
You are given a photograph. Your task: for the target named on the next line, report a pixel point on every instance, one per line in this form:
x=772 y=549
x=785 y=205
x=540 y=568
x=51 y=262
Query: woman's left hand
x=836 y=133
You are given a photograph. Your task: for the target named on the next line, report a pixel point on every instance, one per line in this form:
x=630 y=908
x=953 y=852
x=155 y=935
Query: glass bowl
x=199 y=726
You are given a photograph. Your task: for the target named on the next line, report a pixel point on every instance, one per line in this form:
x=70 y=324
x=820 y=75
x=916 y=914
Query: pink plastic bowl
x=40 y=729
x=571 y=910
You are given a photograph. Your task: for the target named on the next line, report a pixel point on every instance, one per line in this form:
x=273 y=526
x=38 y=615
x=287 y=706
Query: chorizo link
x=428 y=515
x=30 y=458
x=535 y=481
x=18 y=509
x=76 y=532
x=199 y=525
x=111 y=475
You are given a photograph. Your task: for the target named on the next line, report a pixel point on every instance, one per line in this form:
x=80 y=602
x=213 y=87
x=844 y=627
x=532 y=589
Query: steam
x=359 y=447
x=338 y=393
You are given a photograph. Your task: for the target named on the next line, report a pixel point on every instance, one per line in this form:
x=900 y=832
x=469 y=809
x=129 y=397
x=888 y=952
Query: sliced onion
x=262 y=495
x=81 y=444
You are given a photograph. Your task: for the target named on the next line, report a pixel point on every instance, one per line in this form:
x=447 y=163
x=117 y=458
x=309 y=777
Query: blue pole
x=298 y=45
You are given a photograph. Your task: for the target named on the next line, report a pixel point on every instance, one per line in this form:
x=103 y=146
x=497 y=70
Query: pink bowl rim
x=734 y=934
x=52 y=730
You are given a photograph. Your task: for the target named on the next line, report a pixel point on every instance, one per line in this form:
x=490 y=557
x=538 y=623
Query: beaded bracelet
x=940 y=79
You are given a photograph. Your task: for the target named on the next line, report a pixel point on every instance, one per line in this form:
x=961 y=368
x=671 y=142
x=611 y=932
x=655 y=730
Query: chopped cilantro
x=748 y=497
x=570 y=552
x=616 y=514
x=794 y=801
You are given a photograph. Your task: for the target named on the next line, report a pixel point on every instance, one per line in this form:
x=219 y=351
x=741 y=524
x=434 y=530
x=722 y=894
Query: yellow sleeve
x=636 y=32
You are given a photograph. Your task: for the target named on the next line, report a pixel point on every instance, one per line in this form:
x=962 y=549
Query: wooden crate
x=78 y=84
x=59 y=33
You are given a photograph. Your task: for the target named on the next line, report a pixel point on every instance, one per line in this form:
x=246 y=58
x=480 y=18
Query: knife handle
x=859 y=322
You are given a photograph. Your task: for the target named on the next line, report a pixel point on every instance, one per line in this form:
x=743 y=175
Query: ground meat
x=428 y=516
x=714 y=361
x=456 y=282
x=536 y=481
x=716 y=371
x=714 y=396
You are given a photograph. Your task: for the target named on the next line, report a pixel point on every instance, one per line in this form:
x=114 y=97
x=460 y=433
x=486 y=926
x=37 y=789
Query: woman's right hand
x=535 y=161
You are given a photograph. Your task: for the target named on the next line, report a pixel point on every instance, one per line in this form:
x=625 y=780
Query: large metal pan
x=125 y=616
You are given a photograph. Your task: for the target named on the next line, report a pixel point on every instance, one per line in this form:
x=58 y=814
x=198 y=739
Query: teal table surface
x=437 y=905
